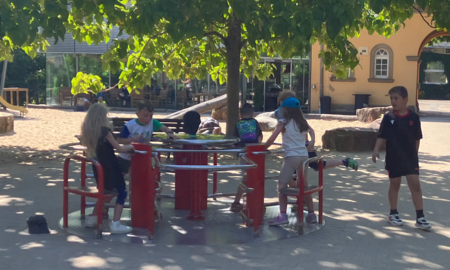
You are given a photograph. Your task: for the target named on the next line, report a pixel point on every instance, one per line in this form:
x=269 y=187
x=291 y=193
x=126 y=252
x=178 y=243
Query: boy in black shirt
x=402 y=133
x=249 y=131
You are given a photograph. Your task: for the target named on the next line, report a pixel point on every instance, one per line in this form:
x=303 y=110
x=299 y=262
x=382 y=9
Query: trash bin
x=325 y=104
x=361 y=101
x=272 y=98
x=271 y=102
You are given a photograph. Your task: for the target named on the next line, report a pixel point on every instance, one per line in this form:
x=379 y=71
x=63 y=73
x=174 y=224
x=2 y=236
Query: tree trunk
x=201 y=107
x=233 y=65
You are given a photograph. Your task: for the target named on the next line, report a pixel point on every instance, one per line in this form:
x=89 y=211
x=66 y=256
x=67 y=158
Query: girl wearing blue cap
x=294 y=129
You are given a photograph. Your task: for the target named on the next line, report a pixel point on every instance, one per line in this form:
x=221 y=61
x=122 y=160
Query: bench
x=65 y=94
x=176 y=125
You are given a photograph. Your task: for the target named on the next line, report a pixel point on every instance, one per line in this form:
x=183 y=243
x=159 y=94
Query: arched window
x=381 y=64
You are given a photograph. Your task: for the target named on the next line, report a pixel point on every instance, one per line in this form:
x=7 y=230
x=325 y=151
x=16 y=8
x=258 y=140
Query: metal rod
x=175 y=96
x=245 y=158
x=218 y=195
x=209 y=83
x=303 y=82
x=277 y=203
x=264 y=92
x=208 y=167
x=230 y=151
x=290 y=76
x=306 y=163
x=268 y=152
x=2 y=86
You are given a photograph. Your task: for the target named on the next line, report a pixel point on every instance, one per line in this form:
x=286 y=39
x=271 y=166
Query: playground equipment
x=189 y=219
x=5 y=104
x=142 y=187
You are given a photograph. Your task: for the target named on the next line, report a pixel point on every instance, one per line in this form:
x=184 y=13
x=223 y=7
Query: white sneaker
x=395 y=220
x=90 y=221
x=279 y=220
x=423 y=224
x=117 y=228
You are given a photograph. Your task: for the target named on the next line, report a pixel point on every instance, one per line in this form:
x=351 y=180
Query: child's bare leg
x=120 y=201
x=235 y=206
x=118 y=208
x=416 y=190
x=333 y=163
x=106 y=200
x=394 y=188
x=282 y=198
x=292 y=183
x=307 y=199
x=239 y=194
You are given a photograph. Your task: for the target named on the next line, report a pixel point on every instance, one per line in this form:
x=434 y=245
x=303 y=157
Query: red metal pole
x=301 y=197
x=101 y=190
x=196 y=196
x=66 y=194
x=255 y=180
x=158 y=173
x=142 y=187
x=215 y=175
x=321 y=191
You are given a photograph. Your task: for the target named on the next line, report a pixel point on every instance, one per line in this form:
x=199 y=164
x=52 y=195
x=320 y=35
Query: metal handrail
x=309 y=160
x=305 y=165
x=245 y=158
x=269 y=152
x=213 y=168
x=230 y=151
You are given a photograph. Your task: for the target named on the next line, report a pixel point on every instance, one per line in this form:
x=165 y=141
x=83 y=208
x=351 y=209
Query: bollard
x=185 y=180
x=321 y=192
x=142 y=184
x=196 y=189
x=254 y=209
x=215 y=175
x=300 y=200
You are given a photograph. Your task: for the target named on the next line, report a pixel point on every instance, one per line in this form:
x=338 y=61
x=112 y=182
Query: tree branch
x=171 y=53
x=111 y=88
x=217 y=34
x=423 y=18
x=243 y=43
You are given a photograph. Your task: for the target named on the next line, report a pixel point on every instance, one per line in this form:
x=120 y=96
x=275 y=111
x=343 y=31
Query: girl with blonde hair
x=99 y=141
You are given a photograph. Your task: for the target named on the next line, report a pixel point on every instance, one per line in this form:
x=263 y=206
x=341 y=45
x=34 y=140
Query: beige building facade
x=383 y=64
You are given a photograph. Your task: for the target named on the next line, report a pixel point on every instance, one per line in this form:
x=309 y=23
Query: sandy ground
x=356 y=235
x=38 y=136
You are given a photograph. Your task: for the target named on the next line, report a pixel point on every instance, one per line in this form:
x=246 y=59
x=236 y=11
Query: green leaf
x=333 y=26
x=159 y=64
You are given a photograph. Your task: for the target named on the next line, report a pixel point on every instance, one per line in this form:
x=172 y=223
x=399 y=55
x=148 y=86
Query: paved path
x=434 y=105
x=356 y=235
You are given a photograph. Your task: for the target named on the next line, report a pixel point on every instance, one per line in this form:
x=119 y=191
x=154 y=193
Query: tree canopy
x=194 y=38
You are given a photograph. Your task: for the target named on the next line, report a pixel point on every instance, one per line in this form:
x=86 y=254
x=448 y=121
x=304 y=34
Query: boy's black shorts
x=402 y=172
x=124 y=165
x=315 y=165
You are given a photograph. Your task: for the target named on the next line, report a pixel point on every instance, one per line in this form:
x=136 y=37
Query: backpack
x=37 y=225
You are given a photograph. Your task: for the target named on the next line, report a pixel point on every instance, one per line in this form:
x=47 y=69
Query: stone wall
x=6 y=122
x=368 y=115
x=350 y=139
